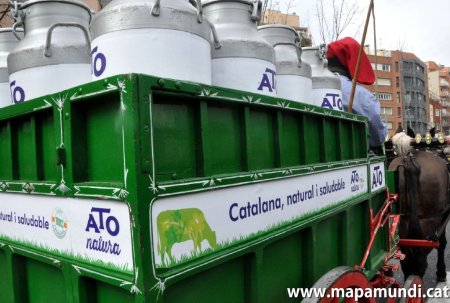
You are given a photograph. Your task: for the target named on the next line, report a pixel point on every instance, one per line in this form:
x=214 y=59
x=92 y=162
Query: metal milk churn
x=54 y=53
x=164 y=38
x=245 y=61
x=7 y=43
x=327 y=91
x=293 y=76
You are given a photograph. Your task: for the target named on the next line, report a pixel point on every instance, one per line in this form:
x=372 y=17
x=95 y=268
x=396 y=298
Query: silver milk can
x=245 y=61
x=293 y=76
x=7 y=43
x=327 y=92
x=54 y=53
x=164 y=38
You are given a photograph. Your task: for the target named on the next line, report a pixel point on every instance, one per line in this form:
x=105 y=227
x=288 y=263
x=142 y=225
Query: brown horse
x=424 y=202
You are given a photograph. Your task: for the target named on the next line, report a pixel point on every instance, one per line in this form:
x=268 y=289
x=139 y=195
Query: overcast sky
x=418 y=26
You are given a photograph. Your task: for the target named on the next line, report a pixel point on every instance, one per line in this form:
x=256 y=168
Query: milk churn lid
x=25 y=4
x=283 y=26
x=121 y=15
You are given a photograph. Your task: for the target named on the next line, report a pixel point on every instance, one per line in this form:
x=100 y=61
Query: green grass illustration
x=33 y=245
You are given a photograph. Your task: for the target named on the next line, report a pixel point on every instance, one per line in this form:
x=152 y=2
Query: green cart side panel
x=39 y=282
x=128 y=142
x=175 y=139
x=6 y=171
x=94 y=291
x=96 y=130
x=45 y=145
x=283 y=257
x=5 y=279
x=260 y=130
x=291 y=135
x=227 y=278
x=225 y=124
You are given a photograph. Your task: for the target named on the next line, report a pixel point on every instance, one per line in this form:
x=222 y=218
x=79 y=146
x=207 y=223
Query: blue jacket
x=367 y=105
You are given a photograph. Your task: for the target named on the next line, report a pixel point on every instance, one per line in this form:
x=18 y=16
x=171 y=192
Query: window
x=399 y=111
x=397 y=81
x=386 y=111
x=396 y=66
x=398 y=97
x=419 y=68
x=389 y=125
x=384 y=96
x=407 y=98
x=384 y=81
x=407 y=67
x=420 y=83
x=437 y=112
x=382 y=67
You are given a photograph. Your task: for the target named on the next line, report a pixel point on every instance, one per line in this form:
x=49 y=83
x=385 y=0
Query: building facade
x=401 y=87
x=277 y=17
x=438 y=92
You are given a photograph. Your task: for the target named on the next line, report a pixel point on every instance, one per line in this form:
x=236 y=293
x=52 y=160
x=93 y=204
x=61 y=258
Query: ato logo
x=332 y=101
x=268 y=80
x=59 y=223
x=100 y=220
x=377 y=177
x=98 y=62
x=356 y=182
x=355 y=177
x=17 y=93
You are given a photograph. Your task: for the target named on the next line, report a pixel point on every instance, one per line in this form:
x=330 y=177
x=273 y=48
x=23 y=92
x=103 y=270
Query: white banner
x=92 y=231
x=183 y=227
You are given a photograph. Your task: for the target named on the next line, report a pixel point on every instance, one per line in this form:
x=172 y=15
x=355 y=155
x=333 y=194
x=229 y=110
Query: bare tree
x=334 y=16
x=272 y=12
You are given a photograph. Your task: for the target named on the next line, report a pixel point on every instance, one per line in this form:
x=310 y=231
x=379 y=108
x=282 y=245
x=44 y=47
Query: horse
x=423 y=204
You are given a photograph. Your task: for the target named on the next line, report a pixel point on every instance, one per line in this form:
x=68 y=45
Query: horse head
x=401 y=143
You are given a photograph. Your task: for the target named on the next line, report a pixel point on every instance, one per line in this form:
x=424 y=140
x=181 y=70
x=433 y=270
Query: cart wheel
x=344 y=278
x=411 y=282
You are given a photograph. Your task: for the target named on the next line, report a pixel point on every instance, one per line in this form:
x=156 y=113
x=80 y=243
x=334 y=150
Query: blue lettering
x=98 y=62
x=355 y=177
x=335 y=101
x=377 y=177
x=17 y=93
x=234 y=219
x=91 y=224
x=265 y=81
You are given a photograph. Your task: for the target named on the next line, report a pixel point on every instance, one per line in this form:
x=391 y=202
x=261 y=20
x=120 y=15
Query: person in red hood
x=342 y=56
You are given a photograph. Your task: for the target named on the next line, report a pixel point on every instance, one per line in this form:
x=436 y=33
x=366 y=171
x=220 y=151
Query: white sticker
x=97 y=232
x=377 y=176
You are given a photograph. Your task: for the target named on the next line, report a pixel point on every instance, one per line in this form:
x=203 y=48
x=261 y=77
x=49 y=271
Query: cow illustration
x=176 y=226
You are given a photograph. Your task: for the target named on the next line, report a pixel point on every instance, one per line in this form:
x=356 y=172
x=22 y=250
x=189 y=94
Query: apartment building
x=439 y=96
x=401 y=87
